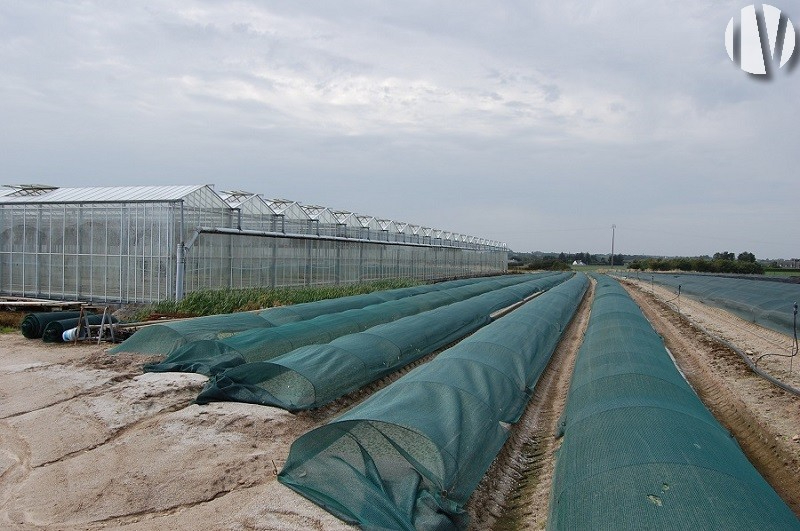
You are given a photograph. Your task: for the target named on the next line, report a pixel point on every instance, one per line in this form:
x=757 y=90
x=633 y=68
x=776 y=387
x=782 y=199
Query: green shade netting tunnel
x=214 y=356
x=314 y=375
x=769 y=303
x=410 y=456
x=640 y=450
x=166 y=338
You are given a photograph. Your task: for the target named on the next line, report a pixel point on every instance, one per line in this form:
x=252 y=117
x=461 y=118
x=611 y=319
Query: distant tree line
x=724 y=262
x=537 y=262
x=561 y=261
x=590 y=259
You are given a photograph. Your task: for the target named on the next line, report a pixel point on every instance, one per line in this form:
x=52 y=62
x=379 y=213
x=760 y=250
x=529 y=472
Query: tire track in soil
x=16 y=457
x=515 y=491
x=716 y=374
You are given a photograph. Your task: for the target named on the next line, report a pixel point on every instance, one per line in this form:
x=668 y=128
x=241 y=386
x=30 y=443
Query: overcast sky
x=537 y=123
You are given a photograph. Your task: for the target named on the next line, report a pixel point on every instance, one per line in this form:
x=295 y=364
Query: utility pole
x=611 y=262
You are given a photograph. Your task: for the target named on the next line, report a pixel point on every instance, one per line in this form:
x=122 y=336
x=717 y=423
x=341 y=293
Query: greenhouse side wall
x=127 y=252
x=242 y=260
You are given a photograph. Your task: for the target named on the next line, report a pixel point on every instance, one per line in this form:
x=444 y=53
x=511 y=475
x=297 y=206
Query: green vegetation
x=781 y=272
x=545 y=264
x=212 y=302
x=10 y=321
x=723 y=262
x=561 y=261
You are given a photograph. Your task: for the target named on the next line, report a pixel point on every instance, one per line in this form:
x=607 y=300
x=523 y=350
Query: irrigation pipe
x=749 y=362
x=793 y=349
x=786 y=387
x=508 y=309
x=733 y=323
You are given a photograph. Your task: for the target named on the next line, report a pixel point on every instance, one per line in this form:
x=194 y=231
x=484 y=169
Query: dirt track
x=87 y=441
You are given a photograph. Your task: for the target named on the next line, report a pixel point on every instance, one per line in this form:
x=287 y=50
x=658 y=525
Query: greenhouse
x=149 y=243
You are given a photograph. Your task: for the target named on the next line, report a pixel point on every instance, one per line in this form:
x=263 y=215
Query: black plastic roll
x=33 y=324
x=54 y=330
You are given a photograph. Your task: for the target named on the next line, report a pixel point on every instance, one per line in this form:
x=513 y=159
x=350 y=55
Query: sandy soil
x=88 y=441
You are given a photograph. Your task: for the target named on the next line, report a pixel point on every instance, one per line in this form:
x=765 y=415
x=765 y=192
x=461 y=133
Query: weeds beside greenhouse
x=213 y=302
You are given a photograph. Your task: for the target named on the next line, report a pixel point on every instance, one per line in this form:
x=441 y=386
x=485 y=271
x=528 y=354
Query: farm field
x=789 y=273
x=89 y=441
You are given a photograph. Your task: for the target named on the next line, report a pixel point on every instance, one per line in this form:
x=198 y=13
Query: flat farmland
x=88 y=441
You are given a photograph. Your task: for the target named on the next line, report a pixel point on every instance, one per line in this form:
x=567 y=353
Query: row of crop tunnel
x=639 y=448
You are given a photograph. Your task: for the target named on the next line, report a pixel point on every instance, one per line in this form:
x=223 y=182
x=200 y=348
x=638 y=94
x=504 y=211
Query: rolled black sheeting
x=33 y=324
x=54 y=331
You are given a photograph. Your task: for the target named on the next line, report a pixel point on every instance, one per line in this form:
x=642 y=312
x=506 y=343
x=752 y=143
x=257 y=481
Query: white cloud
x=576 y=113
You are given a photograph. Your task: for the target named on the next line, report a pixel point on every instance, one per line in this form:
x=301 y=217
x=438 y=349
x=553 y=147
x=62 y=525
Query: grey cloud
x=511 y=120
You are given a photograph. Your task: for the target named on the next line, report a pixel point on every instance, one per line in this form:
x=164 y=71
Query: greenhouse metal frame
x=150 y=243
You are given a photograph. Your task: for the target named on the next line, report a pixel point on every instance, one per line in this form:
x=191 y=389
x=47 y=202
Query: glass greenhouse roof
x=102 y=194
x=204 y=196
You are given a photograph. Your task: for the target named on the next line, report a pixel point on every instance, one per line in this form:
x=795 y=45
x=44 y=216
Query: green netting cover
x=33 y=324
x=640 y=450
x=302 y=312
x=410 y=455
x=214 y=356
x=54 y=331
x=765 y=302
x=166 y=338
x=314 y=375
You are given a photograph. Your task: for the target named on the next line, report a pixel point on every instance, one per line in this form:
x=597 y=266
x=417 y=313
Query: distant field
x=783 y=273
x=597 y=268
x=603 y=268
